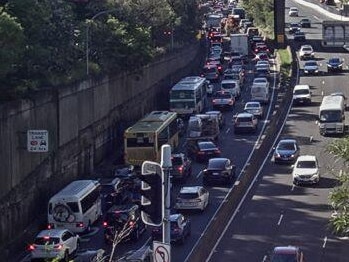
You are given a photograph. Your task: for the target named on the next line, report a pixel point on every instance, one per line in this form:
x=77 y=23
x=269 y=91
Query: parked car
x=311 y=68
x=223 y=99
x=334 y=64
x=219 y=171
x=299 y=36
x=192 y=197
x=254 y=108
x=293 y=11
x=306 y=52
x=301 y=95
x=181 y=167
x=54 y=243
x=305 y=23
x=121 y=217
x=180 y=229
x=287 y=254
x=202 y=150
x=245 y=122
x=286 y=151
x=306 y=170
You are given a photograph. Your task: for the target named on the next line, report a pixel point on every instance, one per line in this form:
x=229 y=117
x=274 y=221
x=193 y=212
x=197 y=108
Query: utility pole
x=166 y=165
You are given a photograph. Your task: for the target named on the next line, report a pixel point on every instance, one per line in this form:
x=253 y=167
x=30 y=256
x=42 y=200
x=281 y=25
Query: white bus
x=189 y=96
x=331 y=114
x=76 y=207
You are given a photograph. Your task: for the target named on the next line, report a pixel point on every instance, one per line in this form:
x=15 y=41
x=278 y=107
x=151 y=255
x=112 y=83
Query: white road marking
x=227 y=131
x=316 y=18
x=265 y=258
x=198 y=175
x=325 y=241
x=293 y=187
x=280 y=219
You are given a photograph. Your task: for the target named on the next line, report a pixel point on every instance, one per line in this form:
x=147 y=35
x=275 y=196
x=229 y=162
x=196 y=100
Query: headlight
x=306 y=71
x=316 y=70
x=329 y=65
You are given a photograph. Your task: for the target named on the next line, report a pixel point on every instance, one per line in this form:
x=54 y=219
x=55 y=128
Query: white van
x=76 y=207
x=232 y=86
x=331 y=114
x=260 y=93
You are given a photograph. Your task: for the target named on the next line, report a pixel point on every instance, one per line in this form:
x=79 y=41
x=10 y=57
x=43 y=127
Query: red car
x=261 y=47
x=202 y=150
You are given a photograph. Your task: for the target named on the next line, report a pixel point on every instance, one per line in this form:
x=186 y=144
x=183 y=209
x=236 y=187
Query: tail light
x=132 y=223
x=49 y=226
x=59 y=246
x=176 y=230
x=217 y=151
x=31 y=247
x=201 y=153
x=105 y=224
x=219 y=68
x=214 y=101
x=180 y=169
x=79 y=224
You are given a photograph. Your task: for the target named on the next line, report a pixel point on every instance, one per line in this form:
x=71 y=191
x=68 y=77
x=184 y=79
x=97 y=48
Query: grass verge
x=285 y=62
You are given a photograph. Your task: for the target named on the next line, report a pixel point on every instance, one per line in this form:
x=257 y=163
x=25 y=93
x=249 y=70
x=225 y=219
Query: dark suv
x=125 y=220
x=181 y=167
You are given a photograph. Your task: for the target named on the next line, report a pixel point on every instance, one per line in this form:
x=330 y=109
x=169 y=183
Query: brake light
x=49 y=226
x=31 y=247
x=59 y=246
x=214 y=101
x=132 y=223
x=180 y=169
x=79 y=224
x=105 y=224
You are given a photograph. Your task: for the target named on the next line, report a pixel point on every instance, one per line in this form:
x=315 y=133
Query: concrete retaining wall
x=85 y=124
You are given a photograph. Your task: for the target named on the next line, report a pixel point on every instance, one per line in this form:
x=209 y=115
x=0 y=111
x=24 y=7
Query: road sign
x=37 y=141
x=162 y=252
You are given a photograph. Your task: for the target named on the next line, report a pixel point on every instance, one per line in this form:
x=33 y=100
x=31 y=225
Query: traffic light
x=152 y=191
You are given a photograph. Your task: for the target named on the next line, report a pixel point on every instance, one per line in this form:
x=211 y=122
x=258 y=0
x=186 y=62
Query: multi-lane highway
x=276 y=212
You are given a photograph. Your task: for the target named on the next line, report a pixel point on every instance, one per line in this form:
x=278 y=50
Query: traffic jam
x=213 y=123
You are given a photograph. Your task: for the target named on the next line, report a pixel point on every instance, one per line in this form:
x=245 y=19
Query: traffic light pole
x=166 y=165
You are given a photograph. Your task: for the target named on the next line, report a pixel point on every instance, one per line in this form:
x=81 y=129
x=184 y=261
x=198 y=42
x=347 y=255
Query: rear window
x=301 y=92
x=206 y=145
x=228 y=85
x=46 y=241
x=223 y=95
x=210 y=70
x=116 y=217
x=244 y=119
x=177 y=161
x=74 y=207
x=188 y=195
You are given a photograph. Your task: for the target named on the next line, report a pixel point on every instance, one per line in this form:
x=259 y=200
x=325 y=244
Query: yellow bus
x=143 y=140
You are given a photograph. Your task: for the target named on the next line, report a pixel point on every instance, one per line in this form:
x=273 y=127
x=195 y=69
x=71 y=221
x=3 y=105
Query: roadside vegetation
x=262 y=13
x=44 y=43
x=285 y=57
x=339 y=195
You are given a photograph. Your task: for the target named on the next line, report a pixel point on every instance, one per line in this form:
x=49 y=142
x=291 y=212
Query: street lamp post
x=87 y=36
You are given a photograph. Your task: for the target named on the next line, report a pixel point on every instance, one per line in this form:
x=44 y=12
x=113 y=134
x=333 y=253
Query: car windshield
x=46 y=241
x=284 y=258
x=301 y=92
x=286 y=146
x=311 y=63
x=306 y=164
x=334 y=60
x=307 y=49
x=192 y=195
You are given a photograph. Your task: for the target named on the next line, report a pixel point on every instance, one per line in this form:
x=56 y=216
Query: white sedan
x=260 y=81
x=192 y=197
x=306 y=170
x=254 y=108
x=54 y=243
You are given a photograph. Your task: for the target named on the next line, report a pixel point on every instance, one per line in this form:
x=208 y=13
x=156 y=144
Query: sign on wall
x=37 y=141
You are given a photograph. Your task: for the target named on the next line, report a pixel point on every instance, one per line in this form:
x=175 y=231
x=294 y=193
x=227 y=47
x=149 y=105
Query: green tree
x=339 y=196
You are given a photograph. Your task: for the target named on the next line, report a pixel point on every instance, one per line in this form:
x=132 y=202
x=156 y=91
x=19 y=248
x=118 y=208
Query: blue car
x=334 y=64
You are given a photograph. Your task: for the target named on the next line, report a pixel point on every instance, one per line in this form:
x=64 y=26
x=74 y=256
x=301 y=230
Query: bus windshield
x=330 y=116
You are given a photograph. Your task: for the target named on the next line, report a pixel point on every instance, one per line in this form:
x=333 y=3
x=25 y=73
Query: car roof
x=218 y=159
x=306 y=158
x=190 y=189
x=286 y=250
x=299 y=87
x=51 y=233
x=288 y=140
x=174 y=217
x=244 y=114
x=260 y=78
x=229 y=81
